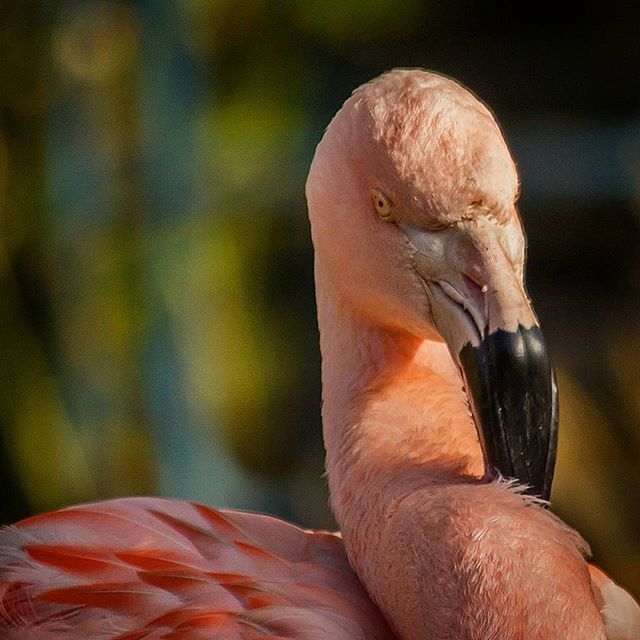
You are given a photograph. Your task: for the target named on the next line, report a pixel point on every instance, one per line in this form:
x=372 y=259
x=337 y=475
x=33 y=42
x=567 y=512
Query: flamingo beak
x=480 y=308
x=512 y=392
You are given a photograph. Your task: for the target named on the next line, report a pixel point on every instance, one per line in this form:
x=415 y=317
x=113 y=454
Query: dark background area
x=157 y=320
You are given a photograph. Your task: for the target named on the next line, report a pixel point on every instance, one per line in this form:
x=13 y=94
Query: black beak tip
x=513 y=397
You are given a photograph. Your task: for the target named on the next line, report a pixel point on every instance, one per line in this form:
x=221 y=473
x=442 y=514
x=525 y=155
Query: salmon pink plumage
x=146 y=568
x=439 y=421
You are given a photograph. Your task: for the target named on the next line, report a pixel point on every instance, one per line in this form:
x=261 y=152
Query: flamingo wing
x=151 y=569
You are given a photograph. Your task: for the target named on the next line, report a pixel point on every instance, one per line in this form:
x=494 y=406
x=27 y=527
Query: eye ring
x=382 y=205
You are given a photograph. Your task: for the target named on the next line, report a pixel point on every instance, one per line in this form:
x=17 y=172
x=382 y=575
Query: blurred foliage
x=157 y=322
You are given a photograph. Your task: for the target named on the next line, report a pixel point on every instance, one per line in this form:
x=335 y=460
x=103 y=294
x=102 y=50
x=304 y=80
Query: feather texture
x=150 y=568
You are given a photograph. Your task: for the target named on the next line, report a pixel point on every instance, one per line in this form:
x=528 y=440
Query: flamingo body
x=151 y=568
x=434 y=375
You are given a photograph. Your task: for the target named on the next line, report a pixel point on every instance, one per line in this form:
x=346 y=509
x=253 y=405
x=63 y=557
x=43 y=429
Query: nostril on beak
x=475 y=290
x=470 y=296
x=473 y=281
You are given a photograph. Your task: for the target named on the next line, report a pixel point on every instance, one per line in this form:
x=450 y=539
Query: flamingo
x=438 y=419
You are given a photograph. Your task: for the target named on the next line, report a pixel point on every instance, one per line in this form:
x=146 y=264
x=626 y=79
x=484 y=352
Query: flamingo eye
x=382 y=205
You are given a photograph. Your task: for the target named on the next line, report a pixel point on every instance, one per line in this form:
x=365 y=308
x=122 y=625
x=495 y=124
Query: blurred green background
x=157 y=320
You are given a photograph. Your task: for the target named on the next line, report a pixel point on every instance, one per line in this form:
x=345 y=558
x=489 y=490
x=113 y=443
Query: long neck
x=394 y=412
x=433 y=546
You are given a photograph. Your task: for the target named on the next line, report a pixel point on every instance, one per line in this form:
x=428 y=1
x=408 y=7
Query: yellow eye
x=382 y=204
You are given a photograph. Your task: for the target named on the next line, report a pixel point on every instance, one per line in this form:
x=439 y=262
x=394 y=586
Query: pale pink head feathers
x=419 y=266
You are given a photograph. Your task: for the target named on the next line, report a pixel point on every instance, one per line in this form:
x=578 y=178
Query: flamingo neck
x=395 y=416
x=433 y=545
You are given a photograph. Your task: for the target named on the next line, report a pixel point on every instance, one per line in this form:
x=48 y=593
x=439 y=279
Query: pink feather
x=146 y=568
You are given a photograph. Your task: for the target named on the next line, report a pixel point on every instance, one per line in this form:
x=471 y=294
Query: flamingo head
x=412 y=199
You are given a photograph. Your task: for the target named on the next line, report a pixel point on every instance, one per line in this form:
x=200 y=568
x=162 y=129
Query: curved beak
x=513 y=397
x=493 y=335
